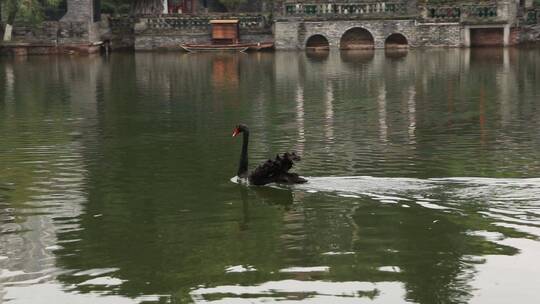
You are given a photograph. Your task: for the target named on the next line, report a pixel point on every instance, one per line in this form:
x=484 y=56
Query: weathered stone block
x=79 y=10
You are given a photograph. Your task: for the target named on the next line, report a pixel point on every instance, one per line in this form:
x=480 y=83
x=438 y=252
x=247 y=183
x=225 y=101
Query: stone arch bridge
x=354 y=34
x=396 y=23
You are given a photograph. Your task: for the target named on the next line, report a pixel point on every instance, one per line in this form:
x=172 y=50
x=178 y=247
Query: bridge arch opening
x=317 y=42
x=357 y=38
x=396 y=41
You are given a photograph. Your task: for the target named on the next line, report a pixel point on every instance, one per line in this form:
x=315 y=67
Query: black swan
x=271 y=171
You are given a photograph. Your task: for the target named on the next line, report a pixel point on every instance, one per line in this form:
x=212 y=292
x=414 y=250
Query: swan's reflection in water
x=244 y=223
x=279 y=198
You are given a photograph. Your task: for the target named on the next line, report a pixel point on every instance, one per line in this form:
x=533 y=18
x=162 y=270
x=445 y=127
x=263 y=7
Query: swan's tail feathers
x=276 y=170
x=293 y=178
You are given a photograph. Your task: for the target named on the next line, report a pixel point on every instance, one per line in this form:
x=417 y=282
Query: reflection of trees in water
x=168 y=218
x=45 y=121
x=160 y=249
x=42 y=161
x=165 y=221
x=427 y=247
x=431 y=248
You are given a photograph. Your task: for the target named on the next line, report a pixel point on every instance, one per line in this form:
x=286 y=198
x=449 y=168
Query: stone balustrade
x=532 y=16
x=121 y=22
x=464 y=12
x=183 y=22
x=444 y=13
x=293 y=9
x=471 y=13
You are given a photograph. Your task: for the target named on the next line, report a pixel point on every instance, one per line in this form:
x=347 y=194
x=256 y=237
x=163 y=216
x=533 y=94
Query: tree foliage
x=28 y=10
x=116 y=7
x=129 y=6
x=148 y=6
x=232 y=5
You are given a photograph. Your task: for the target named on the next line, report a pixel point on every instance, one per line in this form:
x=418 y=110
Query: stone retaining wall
x=529 y=32
x=438 y=35
x=51 y=37
x=54 y=32
x=122 y=33
x=168 y=32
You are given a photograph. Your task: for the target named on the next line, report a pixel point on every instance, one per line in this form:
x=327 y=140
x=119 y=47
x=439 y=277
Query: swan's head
x=239 y=129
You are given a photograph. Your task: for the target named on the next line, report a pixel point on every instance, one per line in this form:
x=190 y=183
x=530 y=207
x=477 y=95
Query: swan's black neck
x=243 y=167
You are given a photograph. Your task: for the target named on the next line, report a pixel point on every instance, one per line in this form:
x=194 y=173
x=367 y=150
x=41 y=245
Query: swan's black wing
x=276 y=171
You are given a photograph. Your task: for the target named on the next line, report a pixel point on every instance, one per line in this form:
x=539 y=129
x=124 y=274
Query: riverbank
x=376 y=27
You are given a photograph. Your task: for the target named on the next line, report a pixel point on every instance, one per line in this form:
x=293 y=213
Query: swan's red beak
x=235 y=132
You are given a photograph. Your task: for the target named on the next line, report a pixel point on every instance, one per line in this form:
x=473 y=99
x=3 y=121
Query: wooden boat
x=226 y=37
x=236 y=47
x=261 y=46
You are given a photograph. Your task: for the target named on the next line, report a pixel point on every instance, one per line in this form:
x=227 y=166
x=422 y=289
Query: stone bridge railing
x=346 y=9
x=201 y=22
x=532 y=16
x=468 y=13
x=480 y=12
x=122 y=22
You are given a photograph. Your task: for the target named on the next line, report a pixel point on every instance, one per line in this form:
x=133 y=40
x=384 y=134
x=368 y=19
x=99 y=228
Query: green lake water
x=424 y=178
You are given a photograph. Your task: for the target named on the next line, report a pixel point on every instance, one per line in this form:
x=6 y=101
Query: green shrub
x=116 y=7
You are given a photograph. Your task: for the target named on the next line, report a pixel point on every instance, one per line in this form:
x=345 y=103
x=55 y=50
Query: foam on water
x=319 y=291
x=95 y=272
x=306 y=269
x=389 y=269
x=57 y=293
x=422 y=191
x=383 y=188
x=338 y=253
x=512 y=201
x=106 y=281
x=239 y=268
